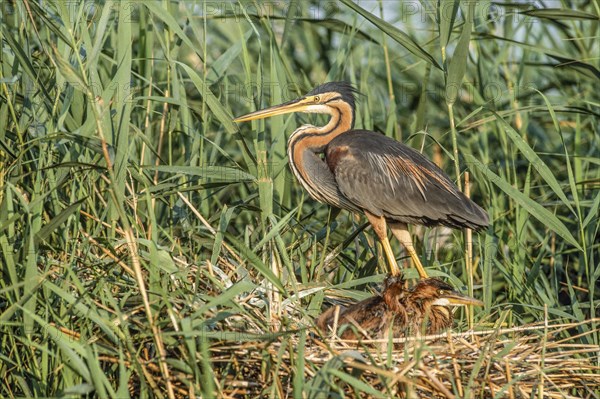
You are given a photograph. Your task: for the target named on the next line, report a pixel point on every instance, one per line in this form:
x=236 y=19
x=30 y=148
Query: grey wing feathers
x=388 y=178
x=322 y=185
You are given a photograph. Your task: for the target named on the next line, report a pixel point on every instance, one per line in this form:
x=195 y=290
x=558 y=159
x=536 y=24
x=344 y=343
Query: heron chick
x=426 y=307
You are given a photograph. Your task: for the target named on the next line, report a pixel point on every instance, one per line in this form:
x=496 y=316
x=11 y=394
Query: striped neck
x=307 y=141
x=314 y=138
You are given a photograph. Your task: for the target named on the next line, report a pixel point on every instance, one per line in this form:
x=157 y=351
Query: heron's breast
x=335 y=154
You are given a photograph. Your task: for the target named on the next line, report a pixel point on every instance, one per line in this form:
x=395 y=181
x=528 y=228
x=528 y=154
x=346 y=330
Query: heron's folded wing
x=386 y=177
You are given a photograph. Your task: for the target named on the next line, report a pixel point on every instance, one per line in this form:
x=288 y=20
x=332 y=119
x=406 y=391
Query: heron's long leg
x=380 y=227
x=400 y=230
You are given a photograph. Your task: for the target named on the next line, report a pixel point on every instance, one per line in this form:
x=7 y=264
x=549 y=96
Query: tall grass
x=142 y=233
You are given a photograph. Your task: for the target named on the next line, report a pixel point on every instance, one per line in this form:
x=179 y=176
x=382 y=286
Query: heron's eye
x=317 y=99
x=441 y=292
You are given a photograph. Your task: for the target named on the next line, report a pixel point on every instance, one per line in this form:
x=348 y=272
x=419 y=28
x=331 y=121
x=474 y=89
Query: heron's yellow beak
x=455 y=298
x=298 y=105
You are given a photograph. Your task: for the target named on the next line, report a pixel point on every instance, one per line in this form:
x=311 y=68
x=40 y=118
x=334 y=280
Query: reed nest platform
x=532 y=361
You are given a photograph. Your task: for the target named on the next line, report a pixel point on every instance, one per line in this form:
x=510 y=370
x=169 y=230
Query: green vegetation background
x=138 y=221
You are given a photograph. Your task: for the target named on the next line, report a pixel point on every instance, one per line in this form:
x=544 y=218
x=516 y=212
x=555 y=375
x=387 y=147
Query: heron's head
x=434 y=292
x=329 y=98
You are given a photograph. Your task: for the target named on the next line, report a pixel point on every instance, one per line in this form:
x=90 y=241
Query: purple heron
x=427 y=307
x=367 y=172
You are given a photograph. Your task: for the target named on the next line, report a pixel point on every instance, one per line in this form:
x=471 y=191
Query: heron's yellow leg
x=380 y=228
x=389 y=254
x=400 y=230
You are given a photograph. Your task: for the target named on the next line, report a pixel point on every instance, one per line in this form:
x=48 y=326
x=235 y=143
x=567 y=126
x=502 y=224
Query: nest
x=249 y=355
x=523 y=362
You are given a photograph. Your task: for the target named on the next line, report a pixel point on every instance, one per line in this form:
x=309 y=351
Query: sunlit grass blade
x=222 y=115
x=357 y=385
x=256 y=262
x=458 y=63
x=536 y=210
x=561 y=14
x=446 y=16
x=538 y=164
x=568 y=62
x=57 y=221
x=164 y=15
x=395 y=33
x=213 y=172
